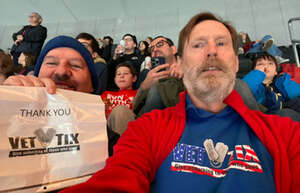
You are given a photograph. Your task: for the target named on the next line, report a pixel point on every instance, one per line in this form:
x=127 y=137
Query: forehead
x=265 y=60
x=157 y=40
x=128 y=37
x=64 y=54
x=210 y=28
x=123 y=68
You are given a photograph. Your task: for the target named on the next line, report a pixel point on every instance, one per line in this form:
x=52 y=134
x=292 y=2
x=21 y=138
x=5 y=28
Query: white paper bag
x=46 y=139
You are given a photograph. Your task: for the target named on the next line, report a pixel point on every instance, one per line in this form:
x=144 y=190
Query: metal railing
x=295 y=42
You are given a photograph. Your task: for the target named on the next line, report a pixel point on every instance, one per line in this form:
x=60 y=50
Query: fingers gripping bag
x=49 y=142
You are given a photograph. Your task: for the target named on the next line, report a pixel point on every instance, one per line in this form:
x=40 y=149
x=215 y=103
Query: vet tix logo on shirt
x=193 y=159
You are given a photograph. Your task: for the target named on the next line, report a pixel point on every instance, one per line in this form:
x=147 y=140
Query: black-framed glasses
x=159 y=44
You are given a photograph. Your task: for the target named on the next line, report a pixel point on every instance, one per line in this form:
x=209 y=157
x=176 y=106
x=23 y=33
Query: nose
x=211 y=49
x=63 y=68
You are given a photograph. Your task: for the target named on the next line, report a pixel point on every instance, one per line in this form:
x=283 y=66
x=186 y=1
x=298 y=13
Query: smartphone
x=122 y=43
x=156 y=61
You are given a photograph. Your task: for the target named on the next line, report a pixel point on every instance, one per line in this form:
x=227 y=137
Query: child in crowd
x=125 y=77
x=273 y=91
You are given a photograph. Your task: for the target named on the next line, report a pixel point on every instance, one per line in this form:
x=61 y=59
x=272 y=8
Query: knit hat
x=69 y=42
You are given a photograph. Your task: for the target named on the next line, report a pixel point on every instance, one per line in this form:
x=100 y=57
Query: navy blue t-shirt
x=217 y=153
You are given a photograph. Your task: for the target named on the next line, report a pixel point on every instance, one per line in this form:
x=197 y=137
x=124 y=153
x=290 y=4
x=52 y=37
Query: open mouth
x=211 y=69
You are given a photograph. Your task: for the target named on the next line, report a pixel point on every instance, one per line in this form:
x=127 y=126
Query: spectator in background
x=6 y=66
x=149 y=40
x=160 y=86
x=126 y=53
x=100 y=64
x=144 y=48
x=107 y=48
x=26 y=63
x=125 y=77
x=30 y=38
x=119 y=104
x=272 y=90
x=266 y=44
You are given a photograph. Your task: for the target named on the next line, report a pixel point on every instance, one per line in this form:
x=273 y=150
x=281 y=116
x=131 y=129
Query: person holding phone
x=124 y=52
x=161 y=81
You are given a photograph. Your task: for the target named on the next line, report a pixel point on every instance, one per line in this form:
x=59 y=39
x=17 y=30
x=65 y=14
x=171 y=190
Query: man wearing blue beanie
x=63 y=63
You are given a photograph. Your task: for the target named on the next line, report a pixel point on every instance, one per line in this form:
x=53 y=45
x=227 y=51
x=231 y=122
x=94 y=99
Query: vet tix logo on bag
x=44 y=140
x=39 y=144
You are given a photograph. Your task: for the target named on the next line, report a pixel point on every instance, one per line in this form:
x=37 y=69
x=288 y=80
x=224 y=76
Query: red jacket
x=149 y=140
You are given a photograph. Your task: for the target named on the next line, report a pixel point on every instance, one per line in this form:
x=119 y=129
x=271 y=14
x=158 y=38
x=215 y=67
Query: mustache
x=59 y=77
x=64 y=79
x=219 y=64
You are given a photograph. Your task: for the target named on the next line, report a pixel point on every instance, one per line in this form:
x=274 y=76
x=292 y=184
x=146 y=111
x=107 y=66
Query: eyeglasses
x=159 y=44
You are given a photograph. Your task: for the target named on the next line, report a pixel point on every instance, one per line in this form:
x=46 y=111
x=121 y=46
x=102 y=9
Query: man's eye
x=220 y=44
x=198 y=45
x=76 y=66
x=51 y=63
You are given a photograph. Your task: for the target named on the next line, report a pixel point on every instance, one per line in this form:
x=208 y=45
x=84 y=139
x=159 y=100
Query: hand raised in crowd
x=20 y=37
x=261 y=68
x=20 y=80
x=155 y=75
x=176 y=71
x=118 y=51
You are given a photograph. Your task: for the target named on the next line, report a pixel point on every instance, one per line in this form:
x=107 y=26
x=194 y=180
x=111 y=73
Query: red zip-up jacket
x=149 y=140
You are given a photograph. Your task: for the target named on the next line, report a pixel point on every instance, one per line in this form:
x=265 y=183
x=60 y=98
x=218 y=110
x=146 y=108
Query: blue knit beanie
x=69 y=42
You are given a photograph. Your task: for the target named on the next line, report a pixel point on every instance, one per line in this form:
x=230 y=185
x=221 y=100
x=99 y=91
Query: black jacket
x=34 y=37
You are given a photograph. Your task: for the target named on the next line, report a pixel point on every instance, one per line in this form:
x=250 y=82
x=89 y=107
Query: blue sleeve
x=254 y=79
x=288 y=87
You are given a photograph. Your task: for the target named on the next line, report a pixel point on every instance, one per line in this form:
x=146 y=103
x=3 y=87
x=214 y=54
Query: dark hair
x=30 y=58
x=265 y=56
x=186 y=31
x=170 y=42
x=111 y=41
x=6 y=65
x=124 y=64
x=146 y=51
x=132 y=36
x=150 y=38
x=87 y=36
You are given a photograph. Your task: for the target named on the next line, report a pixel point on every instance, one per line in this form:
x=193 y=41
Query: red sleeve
x=292 y=141
x=131 y=168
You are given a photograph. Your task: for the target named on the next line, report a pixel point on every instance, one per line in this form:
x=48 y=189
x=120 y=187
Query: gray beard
x=209 y=89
